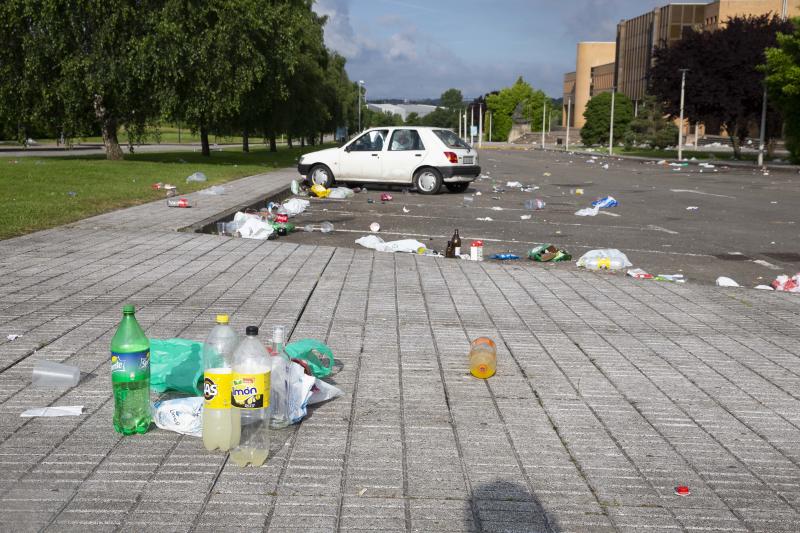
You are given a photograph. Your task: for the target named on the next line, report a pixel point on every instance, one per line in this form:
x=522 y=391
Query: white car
x=423 y=156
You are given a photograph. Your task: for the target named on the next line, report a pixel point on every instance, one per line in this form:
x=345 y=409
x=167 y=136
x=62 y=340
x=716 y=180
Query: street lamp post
x=569 y=117
x=544 y=118
x=360 y=88
x=611 y=126
x=762 y=134
x=683 y=72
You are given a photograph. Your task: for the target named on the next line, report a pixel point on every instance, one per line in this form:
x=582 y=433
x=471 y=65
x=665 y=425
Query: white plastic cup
x=469 y=201
x=220 y=228
x=326 y=227
x=55 y=375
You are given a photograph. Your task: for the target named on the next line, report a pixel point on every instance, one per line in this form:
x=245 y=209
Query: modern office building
x=638 y=37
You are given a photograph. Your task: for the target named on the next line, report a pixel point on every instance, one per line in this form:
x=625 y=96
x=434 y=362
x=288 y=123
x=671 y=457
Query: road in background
x=745 y=225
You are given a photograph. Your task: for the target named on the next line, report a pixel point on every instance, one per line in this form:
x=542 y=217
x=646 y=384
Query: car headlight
x=300 y=161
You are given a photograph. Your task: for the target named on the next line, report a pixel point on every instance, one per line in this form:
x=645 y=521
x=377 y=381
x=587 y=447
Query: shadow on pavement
x=508 y=507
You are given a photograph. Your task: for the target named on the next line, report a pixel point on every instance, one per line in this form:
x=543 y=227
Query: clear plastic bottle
x=279 y=393
x=482 y=357
x=221 y=423
x=250 y=397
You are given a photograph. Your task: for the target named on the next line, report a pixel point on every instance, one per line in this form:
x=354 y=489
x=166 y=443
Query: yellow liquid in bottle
x=482 y=363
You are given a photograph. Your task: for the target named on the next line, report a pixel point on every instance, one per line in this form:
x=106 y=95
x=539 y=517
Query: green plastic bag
x=176 y=364
x=304 y=350
x=545 y=253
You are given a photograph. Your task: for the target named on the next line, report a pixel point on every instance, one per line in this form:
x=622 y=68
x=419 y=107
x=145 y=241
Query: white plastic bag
x=323 y=391
x=182 y=415
x=295 y=206
x=722 y=281
x=251 y=226
x=340 y=193
x=197 y=176
x=588 y=212
x=215 y=190
x=606 y=259
x=374 y=242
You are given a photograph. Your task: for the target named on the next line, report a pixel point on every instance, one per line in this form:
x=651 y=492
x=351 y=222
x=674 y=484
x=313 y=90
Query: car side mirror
x=347 y=148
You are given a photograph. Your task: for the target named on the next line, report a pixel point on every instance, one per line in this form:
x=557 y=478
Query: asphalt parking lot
x=744 y=225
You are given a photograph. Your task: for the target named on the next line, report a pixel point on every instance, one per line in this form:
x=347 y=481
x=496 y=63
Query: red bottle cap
x=682 y=490
x=477 y=243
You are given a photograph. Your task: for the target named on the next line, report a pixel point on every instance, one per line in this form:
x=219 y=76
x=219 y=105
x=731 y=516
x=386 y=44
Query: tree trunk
x=302 y=142
x=735 y=144
x=273 y=143
x=289 y=141
x=108 y=127
x=204 y=141
x=246 y=141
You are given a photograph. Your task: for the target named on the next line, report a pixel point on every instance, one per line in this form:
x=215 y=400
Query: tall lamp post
x=360 y=89
x=569 y=117
x=683 y=72
x=611 y=126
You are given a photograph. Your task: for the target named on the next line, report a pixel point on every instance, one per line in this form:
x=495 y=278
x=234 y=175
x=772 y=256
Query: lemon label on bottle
x=217 y=388
x=250 y=391
x=604 y=263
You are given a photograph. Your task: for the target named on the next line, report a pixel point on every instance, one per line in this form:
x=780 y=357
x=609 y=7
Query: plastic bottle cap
x=251 y=330
x=128 y=309
x=682 y=490
x=222 y=319
x=483 y=369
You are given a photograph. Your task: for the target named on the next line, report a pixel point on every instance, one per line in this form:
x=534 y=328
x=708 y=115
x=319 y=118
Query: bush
x=598 y=118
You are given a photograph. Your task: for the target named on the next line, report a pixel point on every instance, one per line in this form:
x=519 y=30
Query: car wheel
x=457 y=187
x=428 y=180
x=320 y=175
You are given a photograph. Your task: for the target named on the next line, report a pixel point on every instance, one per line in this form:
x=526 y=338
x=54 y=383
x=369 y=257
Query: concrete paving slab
x=609 y=392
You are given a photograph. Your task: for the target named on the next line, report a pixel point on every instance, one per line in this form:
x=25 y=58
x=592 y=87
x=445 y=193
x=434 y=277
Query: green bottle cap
x=129 y=309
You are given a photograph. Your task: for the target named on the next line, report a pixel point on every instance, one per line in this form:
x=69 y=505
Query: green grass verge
x=42 y=192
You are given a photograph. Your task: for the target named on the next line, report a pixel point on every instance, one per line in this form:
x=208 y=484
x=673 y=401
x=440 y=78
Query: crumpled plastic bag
x=588 y=211
x=197 y=176
x=251 y=226
x=295 y=206
x=374 y=242
x=182 y=415
x=320 y=191
x=289 y=380
x=340 y=193
x=787 y=284
x=722 y=281
x=605 y=259
x=176 y=364
x=214 y=190
x=545 y=253
x=304 y=350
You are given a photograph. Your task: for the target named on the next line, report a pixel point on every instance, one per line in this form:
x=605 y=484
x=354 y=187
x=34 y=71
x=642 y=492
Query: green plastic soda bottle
x=130 y=375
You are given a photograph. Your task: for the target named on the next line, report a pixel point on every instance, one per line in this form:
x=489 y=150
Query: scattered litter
x=295 y=187
x=722 y=281
x=52 y=375
x=181 y=415
x=484 y=219
x=72 y=194
x=638 y=273
x=374 y=227
x=326 y=227
x=180 y=202
x=773 y=203
x=497 y=208
x=251 y=226
x=57 y=410
x=320 y=191
x=576 y=192
x=706 y=165
x=505 y=257
x=767 y=264
x=362 y=492
x=386 y=197
x=215 y=190
x=514 y=184
x=764 y=288
x=605 y=202
x=295 y=206
x=679 y=164
x=605 y=166
x=13 y=337
x=546 y=174
x=525 y=217
x=674 y=278
x=479 y=193
x=545 y=253
x=787 y=284
x=406 y=210
x=682 y=490
x=588 y=212
x=605 y=259
x=197 y=176
x=536 y=203
x=662 y=230
x=374 y=242
x=692 y=208
x=340 y=193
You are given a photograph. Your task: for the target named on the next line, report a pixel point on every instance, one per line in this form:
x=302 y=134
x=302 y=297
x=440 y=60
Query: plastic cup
x=55 y=375
x=326 y=227
x=308 y=228
x=220 y=228
x=469 y=201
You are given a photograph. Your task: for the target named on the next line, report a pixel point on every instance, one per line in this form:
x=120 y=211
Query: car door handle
x=374 y=155
x=417 y=155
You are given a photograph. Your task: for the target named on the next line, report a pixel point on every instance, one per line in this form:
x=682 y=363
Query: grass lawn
x=167 y=134
x=42 y=192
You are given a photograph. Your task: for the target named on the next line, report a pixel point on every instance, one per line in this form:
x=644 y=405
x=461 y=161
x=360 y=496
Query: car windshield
x=451 y=140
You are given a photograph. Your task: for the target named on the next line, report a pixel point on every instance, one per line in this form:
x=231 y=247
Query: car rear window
x=451 y=140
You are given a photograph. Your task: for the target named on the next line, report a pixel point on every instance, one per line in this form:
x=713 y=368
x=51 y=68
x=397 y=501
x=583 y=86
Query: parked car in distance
x=424 y=157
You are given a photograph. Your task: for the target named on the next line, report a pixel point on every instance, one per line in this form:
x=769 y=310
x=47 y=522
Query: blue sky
x=418 y=48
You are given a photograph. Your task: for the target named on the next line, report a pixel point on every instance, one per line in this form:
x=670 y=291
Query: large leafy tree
x=724 y=85
x=505 y=102
x=783 y=80
x=598 y=118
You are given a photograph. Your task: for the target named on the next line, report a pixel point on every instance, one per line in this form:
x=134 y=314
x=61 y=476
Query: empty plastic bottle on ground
x=279 y=391
x=221 y=424
x=482 y=358
x=250 y=397
x=130 y=375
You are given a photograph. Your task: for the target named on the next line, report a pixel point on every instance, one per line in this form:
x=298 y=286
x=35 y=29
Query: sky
x=420 y=48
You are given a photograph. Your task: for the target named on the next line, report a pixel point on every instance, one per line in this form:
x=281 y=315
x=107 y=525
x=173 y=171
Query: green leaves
x=598 y=118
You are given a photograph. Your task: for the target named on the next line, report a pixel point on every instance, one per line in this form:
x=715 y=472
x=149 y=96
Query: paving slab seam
x=688 y=416
x=610 y=434
x=353 y=407
x=402 y=404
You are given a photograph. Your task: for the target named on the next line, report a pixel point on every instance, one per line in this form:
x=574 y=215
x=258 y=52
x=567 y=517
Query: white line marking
x=665 y=230
x=767 y=264
x=703 y=193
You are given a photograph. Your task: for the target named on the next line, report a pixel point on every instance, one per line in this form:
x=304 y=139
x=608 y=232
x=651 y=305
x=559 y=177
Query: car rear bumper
x=460 y=173
x=303 y=169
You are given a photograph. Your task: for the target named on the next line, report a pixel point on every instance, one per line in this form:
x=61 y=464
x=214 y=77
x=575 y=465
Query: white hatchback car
x=423 y=156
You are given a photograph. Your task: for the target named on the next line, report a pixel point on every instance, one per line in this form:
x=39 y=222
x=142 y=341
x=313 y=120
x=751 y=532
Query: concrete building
x=637 y=38
x=578 y=85
x=403 y=109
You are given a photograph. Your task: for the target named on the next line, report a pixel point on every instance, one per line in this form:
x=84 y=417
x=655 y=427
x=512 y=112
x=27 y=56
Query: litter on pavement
x=197 y=177
x=320 y=191
x=13 y=337
x=505 y=257
x=638 y=273
x=787 y=284
x=56 y=410
x=605 y=259
x=722 y=281
x=373 y=242
x=605 y=202
x=545 y=253
x=214 y=190
x=588 y=211
x=484 y=219
x=340 y=193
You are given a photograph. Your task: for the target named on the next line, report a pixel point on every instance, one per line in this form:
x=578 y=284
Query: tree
x=724 y=85
x=412 y=119
x=503 y=104
x=651 y=128
x=598 y=118
x=783 y=80
x=452 y=100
